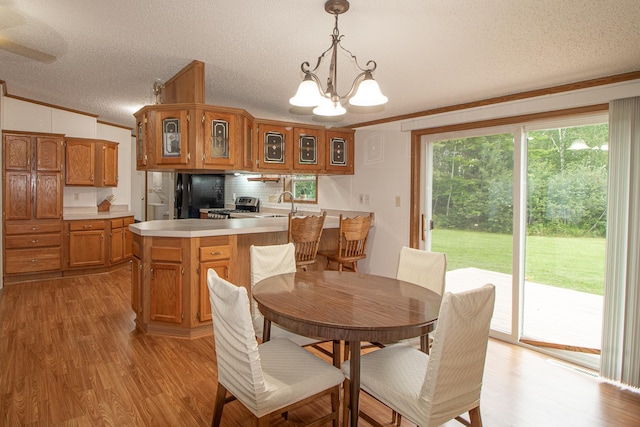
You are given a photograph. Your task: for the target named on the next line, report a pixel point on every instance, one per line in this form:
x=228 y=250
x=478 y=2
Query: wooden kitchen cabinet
x=308 y=149
x=275 y=146
x=339 y=151
x=218 y=258
x=32 y=204
x=32 y=246
x=86 y=240
x=142 y=138
x=165 y=285
x=120 y=239
x=248 y=144
x=91 y=162
x=222 y=137
x=137 y=270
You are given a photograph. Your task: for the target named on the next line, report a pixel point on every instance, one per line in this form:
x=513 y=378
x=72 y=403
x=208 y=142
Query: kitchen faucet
x=293 y=209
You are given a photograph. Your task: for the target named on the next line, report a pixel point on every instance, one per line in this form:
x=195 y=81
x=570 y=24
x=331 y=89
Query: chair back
x=239 y=368
x=456 y=364
x=267 y=261
x=353 y=235
x=305 y=233
x=427 y=269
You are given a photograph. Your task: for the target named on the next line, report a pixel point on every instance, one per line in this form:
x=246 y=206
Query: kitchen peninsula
x=171 y=257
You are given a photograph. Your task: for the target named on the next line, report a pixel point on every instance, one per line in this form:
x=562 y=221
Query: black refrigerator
x=198 y=191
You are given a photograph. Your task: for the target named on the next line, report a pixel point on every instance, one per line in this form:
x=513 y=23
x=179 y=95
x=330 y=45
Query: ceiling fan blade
x=25 y=51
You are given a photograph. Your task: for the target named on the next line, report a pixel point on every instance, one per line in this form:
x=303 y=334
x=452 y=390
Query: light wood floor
x=69 y=355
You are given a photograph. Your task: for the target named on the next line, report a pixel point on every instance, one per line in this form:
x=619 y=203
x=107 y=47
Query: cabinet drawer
x=32 y=241
x=117 y=223
x=32 y=227
x=213 y=253
x=30 y=260
x=86 y=225
x=128 y=220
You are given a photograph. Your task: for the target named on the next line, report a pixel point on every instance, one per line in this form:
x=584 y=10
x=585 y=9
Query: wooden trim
x=600 y=81
x=414 y=202
x=523 y=118
x=3 y=85
x=129 y=128
x=560 y=346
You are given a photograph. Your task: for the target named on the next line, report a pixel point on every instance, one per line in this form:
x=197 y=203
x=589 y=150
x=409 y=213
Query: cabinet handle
x=34 y=260
x=87 y=226
x=216 y=253
x=34 y=241
x=34 y=228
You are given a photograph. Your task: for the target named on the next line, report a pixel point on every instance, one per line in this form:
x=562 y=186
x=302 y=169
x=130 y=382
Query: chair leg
x=346 y=402
x=335 y=406
x=475 y=418
x=221 y=395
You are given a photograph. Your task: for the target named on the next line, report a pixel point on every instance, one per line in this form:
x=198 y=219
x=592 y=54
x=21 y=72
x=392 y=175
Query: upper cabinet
x=191 y=137
x=339 y=151
x=275 y=146
x=91 y=162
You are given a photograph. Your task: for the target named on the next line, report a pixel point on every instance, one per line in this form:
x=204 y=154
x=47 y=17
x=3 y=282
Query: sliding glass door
x=472 y=215
x=524 y=208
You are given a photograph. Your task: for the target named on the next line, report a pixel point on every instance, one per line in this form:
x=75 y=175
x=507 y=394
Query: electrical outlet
x=361 y=199
x=366 y=199
x=397 y=201
x=76 y=196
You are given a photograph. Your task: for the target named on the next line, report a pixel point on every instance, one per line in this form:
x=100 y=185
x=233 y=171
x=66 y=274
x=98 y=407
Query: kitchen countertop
x=216 y=227
x=67 y=216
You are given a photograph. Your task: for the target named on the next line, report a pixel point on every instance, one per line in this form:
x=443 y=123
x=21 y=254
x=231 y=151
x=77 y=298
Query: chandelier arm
x=354 y=85
x=320 y=58
x=370 y=68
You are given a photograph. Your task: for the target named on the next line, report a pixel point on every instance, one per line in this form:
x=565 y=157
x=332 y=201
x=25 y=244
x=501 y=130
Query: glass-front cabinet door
x=220 y=136
x=172 y=144
x=308 y=149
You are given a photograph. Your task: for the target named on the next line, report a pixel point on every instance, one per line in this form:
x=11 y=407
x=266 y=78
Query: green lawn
x=566 y=262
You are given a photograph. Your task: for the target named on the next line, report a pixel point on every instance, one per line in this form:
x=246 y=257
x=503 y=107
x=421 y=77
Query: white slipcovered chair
x=427 y=269
x=432 y=389
x=271 y=378
x=267 y=261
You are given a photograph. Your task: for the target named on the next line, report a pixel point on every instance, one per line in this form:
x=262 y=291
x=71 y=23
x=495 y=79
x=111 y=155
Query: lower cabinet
x=86 y=243
x=217 y=258
x=97 y=243
x=169 y=282
x=32 y=246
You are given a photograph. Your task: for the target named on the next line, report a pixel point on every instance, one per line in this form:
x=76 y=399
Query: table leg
x=266 y=330
x=354 y=390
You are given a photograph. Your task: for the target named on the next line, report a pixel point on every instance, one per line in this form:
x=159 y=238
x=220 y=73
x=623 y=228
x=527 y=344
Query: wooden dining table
x=350 y=307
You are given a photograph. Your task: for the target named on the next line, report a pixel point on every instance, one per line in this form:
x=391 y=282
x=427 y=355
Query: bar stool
x=352 y=242
x=305 y=233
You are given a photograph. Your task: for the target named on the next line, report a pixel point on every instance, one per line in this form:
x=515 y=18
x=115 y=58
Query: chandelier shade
x=364 y=91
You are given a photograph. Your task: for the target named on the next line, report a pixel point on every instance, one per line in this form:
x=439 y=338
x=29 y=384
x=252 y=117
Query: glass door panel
x=565 y=237
x=472 y=215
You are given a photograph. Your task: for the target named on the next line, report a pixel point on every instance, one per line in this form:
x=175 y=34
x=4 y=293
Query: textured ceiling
x=429 y=53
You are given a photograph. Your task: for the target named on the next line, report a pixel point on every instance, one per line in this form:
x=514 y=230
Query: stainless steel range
x=244 y=204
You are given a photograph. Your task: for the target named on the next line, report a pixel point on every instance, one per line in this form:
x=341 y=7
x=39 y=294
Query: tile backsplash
x=236 y=186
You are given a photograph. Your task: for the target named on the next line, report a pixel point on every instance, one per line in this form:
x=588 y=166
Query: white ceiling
x=429 y=53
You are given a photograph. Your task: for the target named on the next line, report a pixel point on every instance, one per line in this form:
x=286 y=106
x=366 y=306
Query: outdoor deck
x=551 y=314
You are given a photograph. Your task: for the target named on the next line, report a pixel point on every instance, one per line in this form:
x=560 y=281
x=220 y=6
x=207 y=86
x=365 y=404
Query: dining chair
x=427 y=269
x=352 y=242
x=271 y=378
x=305 y=233
x=267 y=261
x=430 y=390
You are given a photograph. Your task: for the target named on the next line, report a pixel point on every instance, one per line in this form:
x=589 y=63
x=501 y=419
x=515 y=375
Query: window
x=303 y=187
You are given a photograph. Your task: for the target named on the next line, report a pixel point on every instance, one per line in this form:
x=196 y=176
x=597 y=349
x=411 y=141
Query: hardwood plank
x=70 y=355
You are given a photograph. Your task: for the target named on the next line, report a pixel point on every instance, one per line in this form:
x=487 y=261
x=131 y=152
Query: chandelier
x=364 y=90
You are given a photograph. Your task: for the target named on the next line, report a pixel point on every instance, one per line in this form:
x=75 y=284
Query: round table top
x=347 y=306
